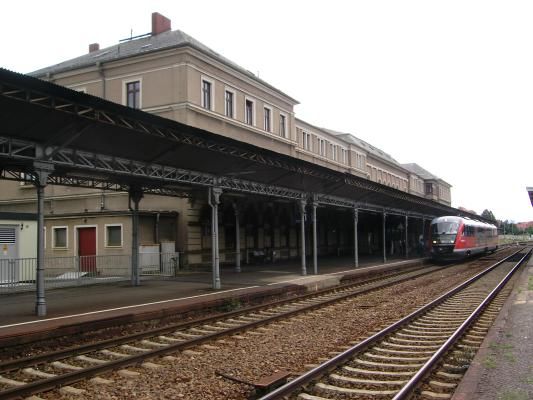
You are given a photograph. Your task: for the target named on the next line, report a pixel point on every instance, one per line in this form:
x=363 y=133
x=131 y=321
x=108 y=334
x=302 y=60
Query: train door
x=9 y=271
x=87 y=249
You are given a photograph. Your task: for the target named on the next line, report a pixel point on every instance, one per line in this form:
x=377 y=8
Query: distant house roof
x=348 y=137
x=143 y=45
x=421 y=172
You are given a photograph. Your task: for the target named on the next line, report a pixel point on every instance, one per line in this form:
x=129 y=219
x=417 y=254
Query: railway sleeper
x=387 y=366
x=91 y=360
x=416 y=342
x=68 y=367
x=395 y=358
x=429 y=332
x=364 y=372
x=113 y=353
x=426 y=394
x=321 y=388
x=421 y=337
x=336 y=378
x=411 y=346
x=11 y=382
x=442 y=386
x=408 y=352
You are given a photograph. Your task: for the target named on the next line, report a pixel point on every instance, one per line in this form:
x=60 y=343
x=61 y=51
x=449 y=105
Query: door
x=87 y=249
x=9 y=270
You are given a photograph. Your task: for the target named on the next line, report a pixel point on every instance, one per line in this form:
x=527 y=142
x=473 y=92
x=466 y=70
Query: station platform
x=502 y=368
x=70 y=309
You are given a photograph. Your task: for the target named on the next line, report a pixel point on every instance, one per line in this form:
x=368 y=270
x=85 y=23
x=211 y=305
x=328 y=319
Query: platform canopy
x=91 y=142
x=530 y=192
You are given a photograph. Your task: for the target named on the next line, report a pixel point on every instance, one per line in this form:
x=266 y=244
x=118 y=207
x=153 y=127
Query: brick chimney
x=160 y=24
x=94 y=47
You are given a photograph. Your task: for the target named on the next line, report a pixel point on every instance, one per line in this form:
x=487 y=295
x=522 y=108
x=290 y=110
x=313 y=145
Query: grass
x=530 y=283
x=513 y=395
x=489 y=362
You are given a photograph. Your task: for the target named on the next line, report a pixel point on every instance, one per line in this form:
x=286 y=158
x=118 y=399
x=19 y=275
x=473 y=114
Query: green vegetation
x=513 y=395
x=530 y=283
x=489 y=362
x=230 y=305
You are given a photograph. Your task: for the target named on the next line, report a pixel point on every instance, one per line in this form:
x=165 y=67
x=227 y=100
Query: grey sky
x=448 y=85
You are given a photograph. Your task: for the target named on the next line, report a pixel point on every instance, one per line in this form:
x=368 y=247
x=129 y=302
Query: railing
x=19 y=274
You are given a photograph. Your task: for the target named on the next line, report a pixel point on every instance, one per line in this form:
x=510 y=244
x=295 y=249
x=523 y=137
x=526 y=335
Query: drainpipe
x=100 y=67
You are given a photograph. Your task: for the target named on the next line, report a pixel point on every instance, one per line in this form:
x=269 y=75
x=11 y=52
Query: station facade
x=172 y=75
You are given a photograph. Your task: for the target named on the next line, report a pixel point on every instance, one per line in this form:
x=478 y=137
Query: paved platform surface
x=503 y=367
x=105 y=301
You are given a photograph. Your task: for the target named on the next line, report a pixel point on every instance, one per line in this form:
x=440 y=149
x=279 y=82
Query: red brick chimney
x=94 y=47
x=160 y=24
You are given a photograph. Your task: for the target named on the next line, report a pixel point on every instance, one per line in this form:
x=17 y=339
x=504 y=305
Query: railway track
x=400 y=361
x=26 y=376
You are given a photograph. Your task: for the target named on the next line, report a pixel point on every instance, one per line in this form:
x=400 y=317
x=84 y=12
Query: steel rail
x=341 y=358
x=413 y=383
x=76 y=376
x=14 y=364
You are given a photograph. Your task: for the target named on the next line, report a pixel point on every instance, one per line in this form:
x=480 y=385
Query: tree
x=487 y=214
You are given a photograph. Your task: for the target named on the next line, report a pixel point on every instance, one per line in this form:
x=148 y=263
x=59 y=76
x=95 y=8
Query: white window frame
x=54 y=228
x=212 y=94
x=248 y=99
x=106 y=244
x=271 y=113
x=322 y=147
x=125 y=91
x=234 y=109
x=285 y=133
x=306 y=141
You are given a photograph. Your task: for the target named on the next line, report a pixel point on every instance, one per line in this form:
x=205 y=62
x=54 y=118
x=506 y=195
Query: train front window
x=445 y=228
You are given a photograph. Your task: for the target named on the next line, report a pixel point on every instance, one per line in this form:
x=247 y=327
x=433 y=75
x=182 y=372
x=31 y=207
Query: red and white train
x=457 y=237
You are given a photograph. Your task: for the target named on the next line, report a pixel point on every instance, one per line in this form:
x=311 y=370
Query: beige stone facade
x=176 y=77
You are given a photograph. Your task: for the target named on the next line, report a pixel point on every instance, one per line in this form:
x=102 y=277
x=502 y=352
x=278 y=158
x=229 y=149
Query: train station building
x=161 y=144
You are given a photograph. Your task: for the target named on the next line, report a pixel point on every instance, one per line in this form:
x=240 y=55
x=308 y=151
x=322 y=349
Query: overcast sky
x=445 y=84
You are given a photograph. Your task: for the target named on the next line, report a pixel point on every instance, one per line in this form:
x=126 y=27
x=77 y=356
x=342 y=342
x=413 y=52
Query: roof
x=421 y=172
x=144 y=45
x=348 y=137
x=530 y=191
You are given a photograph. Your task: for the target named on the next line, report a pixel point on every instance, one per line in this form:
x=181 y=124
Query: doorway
x=87 y=249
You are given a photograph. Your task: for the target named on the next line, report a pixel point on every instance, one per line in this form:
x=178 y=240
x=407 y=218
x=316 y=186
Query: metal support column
x=384 y=239
x=237 y=239
x=214 y=200
x=302 y=234
x=135 y=195
x=423 y=237
x=406 y=237
x=315 y=244
x=42 y=170
x=356 y=238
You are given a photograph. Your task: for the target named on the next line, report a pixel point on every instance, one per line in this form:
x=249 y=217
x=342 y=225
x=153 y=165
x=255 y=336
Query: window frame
x=54 y=244
x=106 y=236
x=282 y=118
x=269 y=120
x=211 y=82
x=233 y=98
x=125 y=84
x=246 y=101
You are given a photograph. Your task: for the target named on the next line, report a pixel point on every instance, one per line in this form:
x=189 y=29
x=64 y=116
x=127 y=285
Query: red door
x=87 y=249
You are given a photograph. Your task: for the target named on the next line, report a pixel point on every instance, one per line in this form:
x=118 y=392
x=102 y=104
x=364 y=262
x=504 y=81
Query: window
x=249 y=112
x=306 y=141
x=207 y=94
x=59 y=237
x=229 y=101
x=113 y=235
x=429 y=188
x=343 y=156
x=322 y=147
x=334 y=152
x=268 y=119
x=282 y=125
x=133 y=94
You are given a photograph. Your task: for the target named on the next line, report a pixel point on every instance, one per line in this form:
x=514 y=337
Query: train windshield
x=445 y=228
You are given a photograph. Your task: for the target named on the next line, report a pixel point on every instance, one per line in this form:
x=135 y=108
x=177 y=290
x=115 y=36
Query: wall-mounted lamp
x=21 y=226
